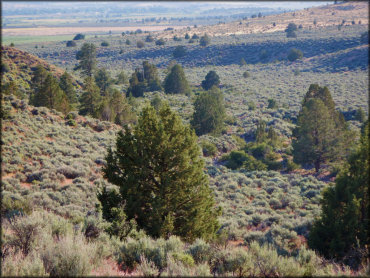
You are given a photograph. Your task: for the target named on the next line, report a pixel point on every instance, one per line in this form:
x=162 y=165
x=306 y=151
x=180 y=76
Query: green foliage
x=149 y=38
x=128 y=42
x=187 y=36
x=70 y=44
x=209 y=112
x=147 y=80
x=211 y=79
x=103 y=80
x=161 y=41
x=272 y=104
x=180 y=51
x=105 y=43
x=246 y=74
x=343 y=227
x=79 y=37
x=90 y=98
x=320 y=134
x=176 y=82
x=243 y=62
x=140 y=44
x=121 y=78
x=65 y=83
x=360 y=115
x=240 y=159
x=87 y=59
x=204 y=40
x=290 y=30
x=208 y=148
x=50 y=95
x=294 y=54
x=147 y=157
x=365 y=37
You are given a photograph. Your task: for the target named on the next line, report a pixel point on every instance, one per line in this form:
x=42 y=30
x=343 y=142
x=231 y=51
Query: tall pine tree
x=90 y=99
x=159 y=170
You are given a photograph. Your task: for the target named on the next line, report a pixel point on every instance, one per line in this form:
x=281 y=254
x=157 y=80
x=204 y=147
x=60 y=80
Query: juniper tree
x=343 y=227
x=65 y=83
x=87 y=58
x=209 y=112
x=211 y=79
x=51 y=95
x=176 y=82
x=90 y=99
x=159 y=170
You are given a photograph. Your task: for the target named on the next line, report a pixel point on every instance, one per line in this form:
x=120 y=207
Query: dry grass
x=329 y=15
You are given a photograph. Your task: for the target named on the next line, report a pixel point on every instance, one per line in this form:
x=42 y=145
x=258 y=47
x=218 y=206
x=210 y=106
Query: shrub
x=79 y=37
x=205 y=40
x=147 y=268
x=208 y=148
x=149 y=38
x=179 y=51
x=71 y=44
x=25 y=232
x=365 y=37
x=200 y=251
x=295 y=54
x=104 y=43
x=195 y=37
x=68 y=257
x=140 y=44
x=246 y=74
x=272 y=104
x=128 y=42
x=160 y=42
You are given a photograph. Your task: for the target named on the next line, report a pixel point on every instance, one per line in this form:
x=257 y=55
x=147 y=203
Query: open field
x=47 y=31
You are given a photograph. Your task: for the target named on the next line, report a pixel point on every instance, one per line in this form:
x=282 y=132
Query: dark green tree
x=211 y=79
x=38 y=78
x=342 y=231
x=176 y=82
x=291 y=30
x=159 y=170
x=294 y=54
x=51 y=95
x=209 y=112
x=87 y=58
x=180 y=51
x=205 y=40
x=90 y=98
x=317 y=140
x=260 y=133
x=65 y=83
x=103 y=80
x=79 y=37
x=137 y=85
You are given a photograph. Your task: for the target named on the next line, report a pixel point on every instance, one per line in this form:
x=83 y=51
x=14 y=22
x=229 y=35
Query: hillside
x=18 y=66
x=325 y=16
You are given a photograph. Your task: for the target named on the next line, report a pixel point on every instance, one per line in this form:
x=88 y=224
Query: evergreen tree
x=65 y=83
x=212 y=79
x=87 y=58
x=343 y=227
x=103 y=80
x=50 y=95
x=38 y=78
x=209 y=112
x=317 y=138
x=159 y=170
x=176 y=82
x=90 y=99
x=260 y=133
x=179 y=51
x=204 y=40
x=137 y=85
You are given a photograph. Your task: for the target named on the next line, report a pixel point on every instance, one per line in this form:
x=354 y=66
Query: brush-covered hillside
x=235 y=149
